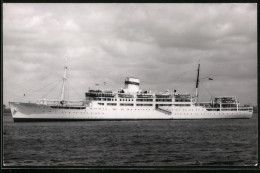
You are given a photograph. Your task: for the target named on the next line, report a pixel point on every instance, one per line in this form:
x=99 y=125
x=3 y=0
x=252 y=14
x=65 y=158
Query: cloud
x=158 y=43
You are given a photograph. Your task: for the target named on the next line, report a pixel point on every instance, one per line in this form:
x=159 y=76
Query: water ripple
x=131 y=143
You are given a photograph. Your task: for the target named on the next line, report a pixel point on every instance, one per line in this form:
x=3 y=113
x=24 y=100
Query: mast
x=64 y=80
x=197 y=84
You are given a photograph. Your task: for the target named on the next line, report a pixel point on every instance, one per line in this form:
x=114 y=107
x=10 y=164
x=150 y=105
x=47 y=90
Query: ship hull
x=22 y=112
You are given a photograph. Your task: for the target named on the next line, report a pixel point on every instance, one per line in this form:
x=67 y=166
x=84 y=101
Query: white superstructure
x=130 y=103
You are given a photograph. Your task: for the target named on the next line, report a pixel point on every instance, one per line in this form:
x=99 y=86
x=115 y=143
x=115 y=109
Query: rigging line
x=52 y=89
x=60 y=88
x=29 y=93
x=206 y=89
x=76 y=92
x=52 y=74
x=194 y=68
x=43 y=87
x=183 y=73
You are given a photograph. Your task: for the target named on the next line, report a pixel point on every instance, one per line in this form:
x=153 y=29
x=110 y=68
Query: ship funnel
x=131 y=85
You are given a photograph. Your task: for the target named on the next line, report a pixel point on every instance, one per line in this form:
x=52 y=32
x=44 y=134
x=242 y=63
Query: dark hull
x=59 y=120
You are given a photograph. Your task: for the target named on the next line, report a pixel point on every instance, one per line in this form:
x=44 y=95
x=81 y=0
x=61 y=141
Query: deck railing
x=231 y=109
x=62 y=103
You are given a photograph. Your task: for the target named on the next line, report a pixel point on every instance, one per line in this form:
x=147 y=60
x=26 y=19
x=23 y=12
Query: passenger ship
x=130 y=103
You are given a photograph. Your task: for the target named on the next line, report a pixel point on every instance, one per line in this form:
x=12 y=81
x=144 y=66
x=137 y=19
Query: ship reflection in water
x=222 y=142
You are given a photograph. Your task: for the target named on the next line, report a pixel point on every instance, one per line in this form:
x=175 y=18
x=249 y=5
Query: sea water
x=221 y=142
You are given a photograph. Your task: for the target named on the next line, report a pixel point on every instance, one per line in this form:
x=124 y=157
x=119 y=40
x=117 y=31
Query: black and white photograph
x=129 y=85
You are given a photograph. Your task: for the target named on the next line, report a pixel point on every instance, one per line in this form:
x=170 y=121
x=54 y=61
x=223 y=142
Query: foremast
x=63 y=81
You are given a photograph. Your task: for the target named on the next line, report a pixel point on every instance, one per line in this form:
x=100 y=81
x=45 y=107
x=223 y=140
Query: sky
x=161 y=44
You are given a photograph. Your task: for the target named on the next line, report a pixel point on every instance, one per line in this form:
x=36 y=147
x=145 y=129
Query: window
x=163 y=100
x=181 y=104
x=126 y=104
x=144 y=104
x=164 y=104
x=101 y=104
x=144 y=100
x=111 y=104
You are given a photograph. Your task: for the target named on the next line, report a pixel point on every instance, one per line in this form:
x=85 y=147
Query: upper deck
x=145 y=96
x=133 y=96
